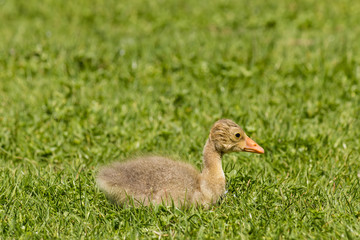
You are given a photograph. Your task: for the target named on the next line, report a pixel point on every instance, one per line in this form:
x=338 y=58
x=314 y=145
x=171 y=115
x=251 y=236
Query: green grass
x=84 y=83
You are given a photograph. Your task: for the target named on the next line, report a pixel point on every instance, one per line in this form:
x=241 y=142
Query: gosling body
x=159 y=180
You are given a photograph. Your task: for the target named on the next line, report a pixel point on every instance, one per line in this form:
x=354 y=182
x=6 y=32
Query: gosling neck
x=212 y=161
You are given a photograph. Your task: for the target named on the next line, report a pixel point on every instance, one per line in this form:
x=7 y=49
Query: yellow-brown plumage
x=159 y=180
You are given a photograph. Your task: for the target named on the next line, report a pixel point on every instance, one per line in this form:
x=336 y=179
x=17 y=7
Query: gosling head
x=227 y=136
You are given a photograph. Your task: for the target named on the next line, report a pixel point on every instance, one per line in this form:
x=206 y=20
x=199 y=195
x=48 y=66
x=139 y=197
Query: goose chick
x=159 y=180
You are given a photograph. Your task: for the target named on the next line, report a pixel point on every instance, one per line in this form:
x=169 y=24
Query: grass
x=83 y=84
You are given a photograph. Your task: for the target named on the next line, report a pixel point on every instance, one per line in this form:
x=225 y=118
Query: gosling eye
x=237 y=135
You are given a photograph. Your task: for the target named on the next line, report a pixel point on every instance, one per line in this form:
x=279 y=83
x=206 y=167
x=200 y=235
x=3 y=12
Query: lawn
x=85 y=83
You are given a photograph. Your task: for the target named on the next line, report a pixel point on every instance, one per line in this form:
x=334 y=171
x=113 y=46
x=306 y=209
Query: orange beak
x=252 y=146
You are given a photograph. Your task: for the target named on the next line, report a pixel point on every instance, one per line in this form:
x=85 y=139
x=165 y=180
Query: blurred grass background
x=85 y=83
